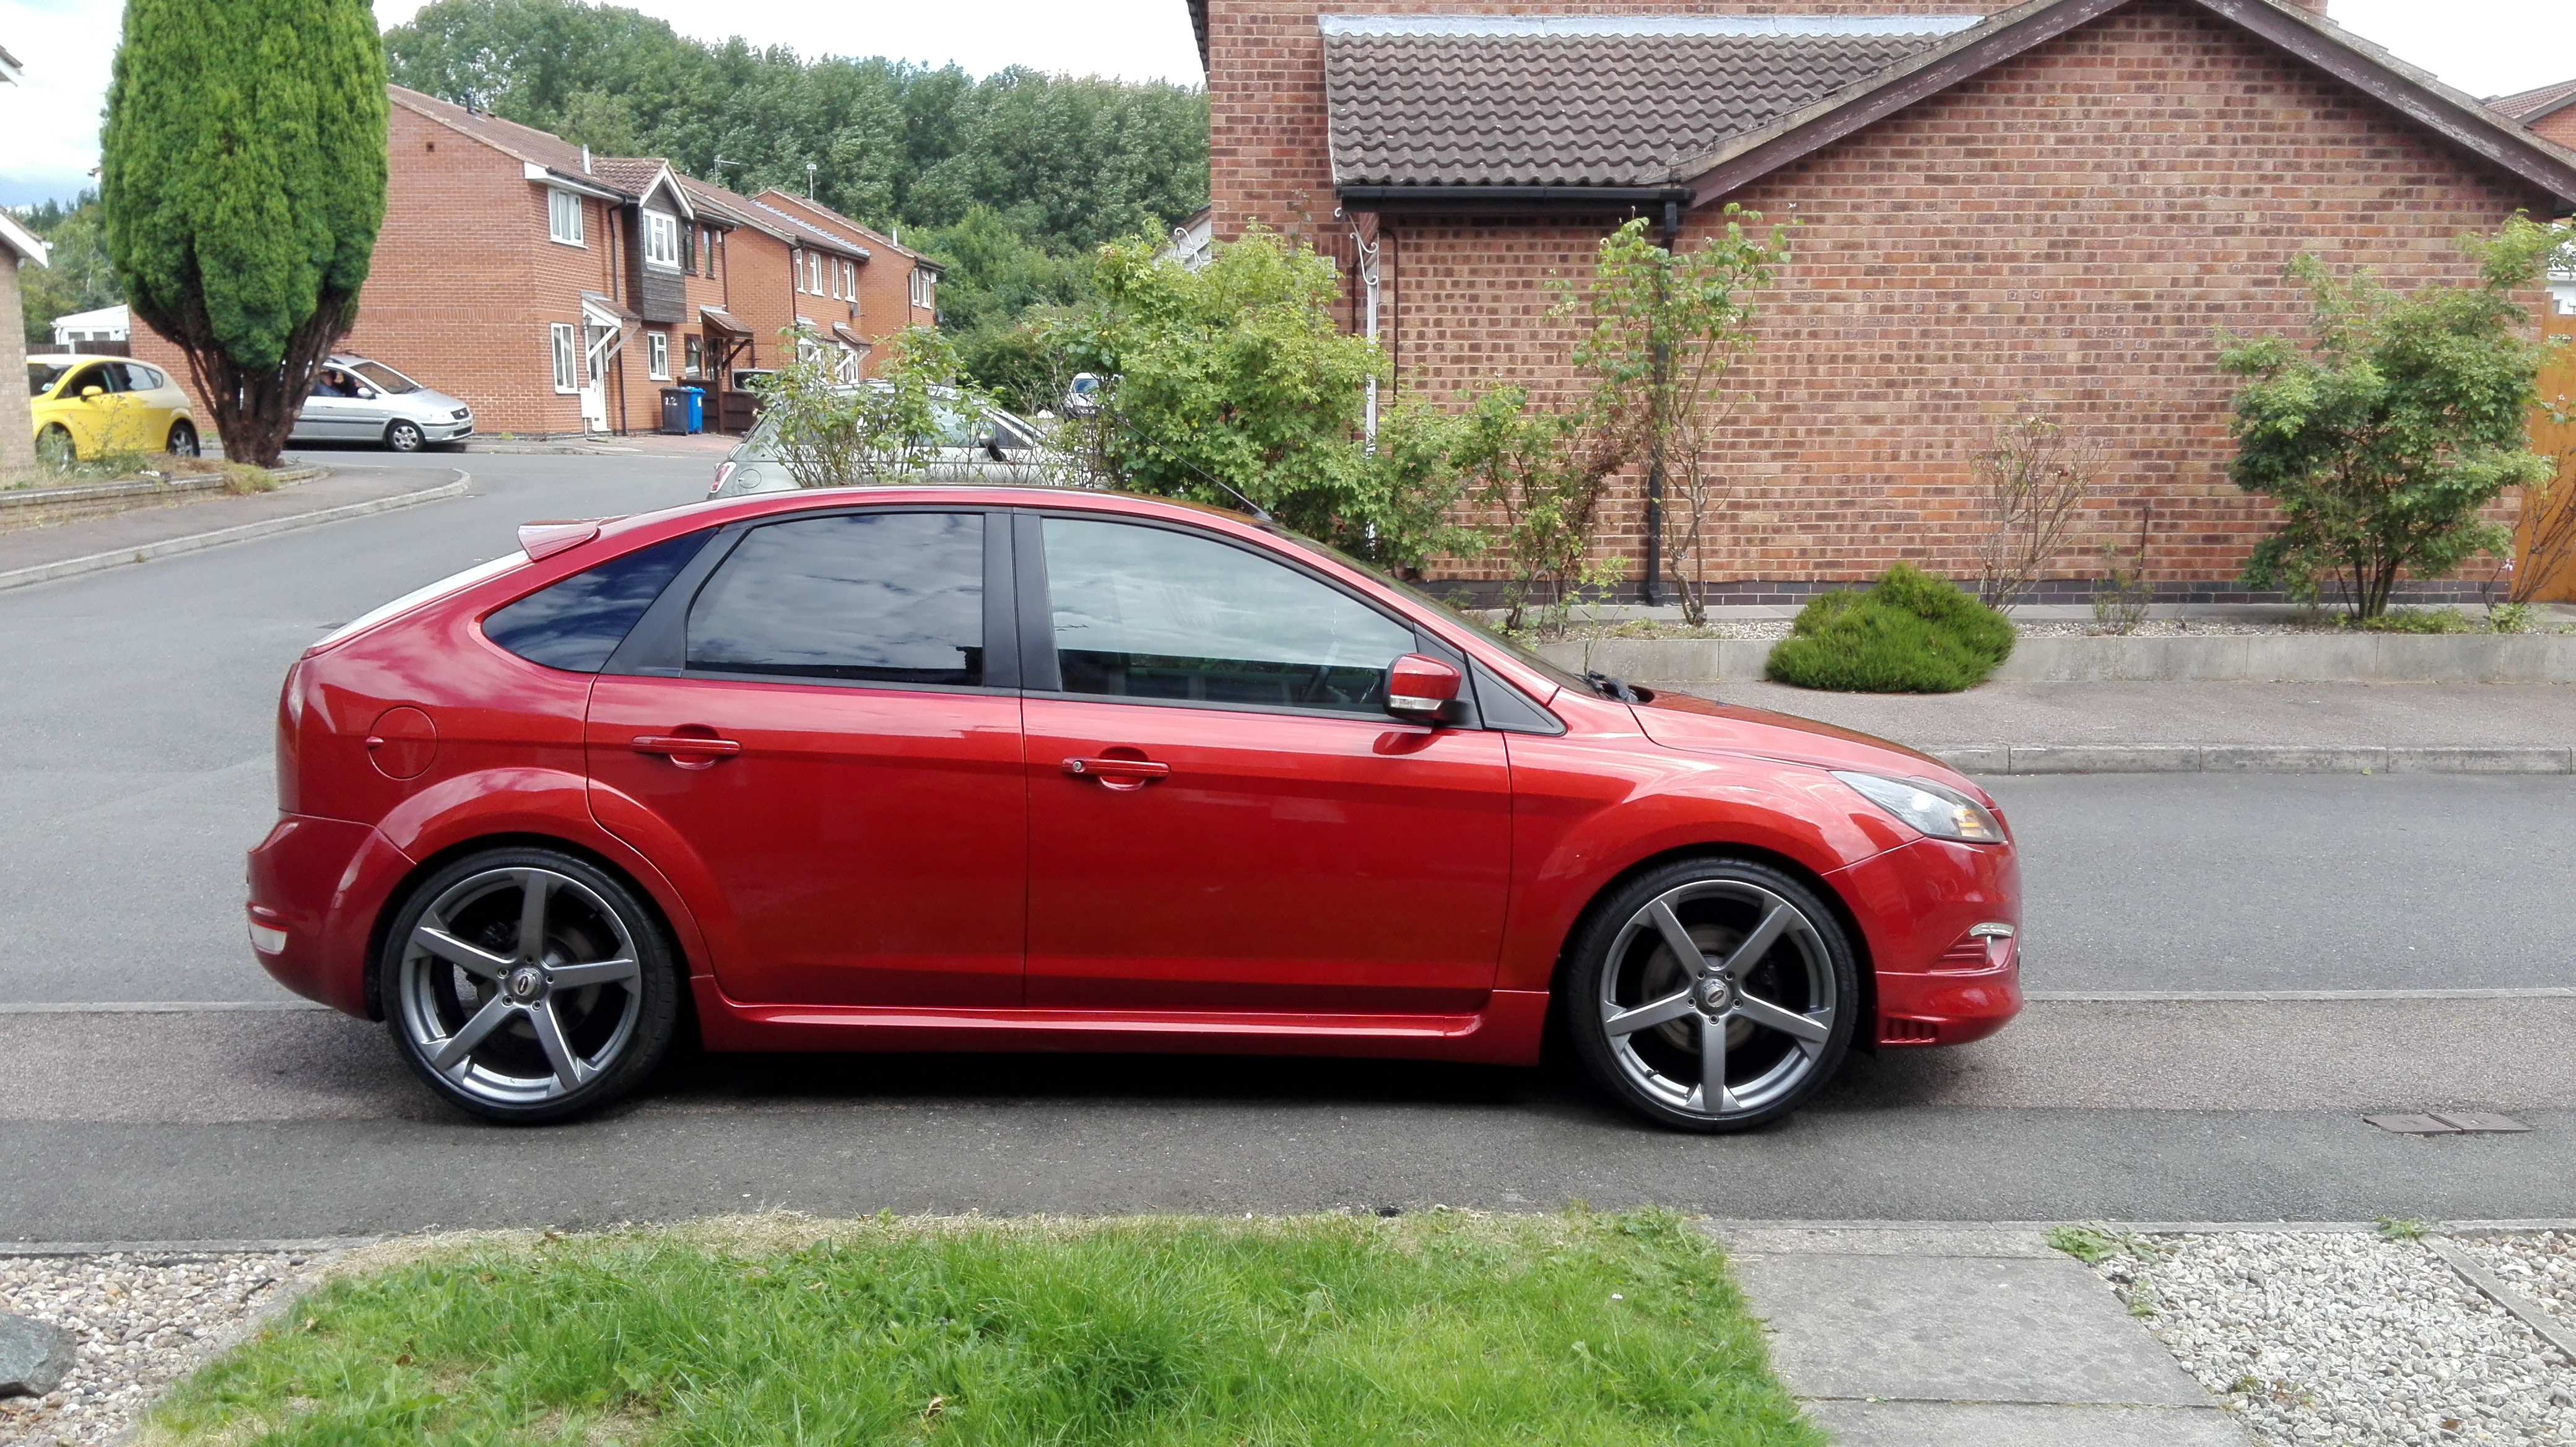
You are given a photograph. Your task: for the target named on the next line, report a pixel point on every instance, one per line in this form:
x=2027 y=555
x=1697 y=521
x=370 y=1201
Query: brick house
x=557 y=292
x=2060 y=202
x=18 y=247
x=2549 y=111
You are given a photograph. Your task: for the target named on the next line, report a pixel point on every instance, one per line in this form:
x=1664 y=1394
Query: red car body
x=906 y=870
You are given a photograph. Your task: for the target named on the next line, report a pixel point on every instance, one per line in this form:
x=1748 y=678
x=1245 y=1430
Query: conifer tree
x=243 y=180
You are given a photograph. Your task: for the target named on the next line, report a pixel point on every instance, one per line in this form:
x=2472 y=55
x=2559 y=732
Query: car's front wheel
x=183 y=440
x=55 y=448
x=404 y=437
x=528 y=985
x=1712 y=994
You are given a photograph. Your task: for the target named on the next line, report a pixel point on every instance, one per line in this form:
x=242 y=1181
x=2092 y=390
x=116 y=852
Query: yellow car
x=91 y=407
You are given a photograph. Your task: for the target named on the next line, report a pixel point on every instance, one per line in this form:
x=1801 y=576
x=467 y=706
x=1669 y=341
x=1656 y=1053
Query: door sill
x=1504 y=1032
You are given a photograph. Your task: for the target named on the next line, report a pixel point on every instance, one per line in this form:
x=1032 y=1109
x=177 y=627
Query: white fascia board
x=667 y=182
x=558 y=181
x=23 y=241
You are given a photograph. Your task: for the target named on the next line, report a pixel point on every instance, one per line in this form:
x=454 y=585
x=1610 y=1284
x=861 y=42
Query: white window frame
x=662 y=240
x=563 y=217
x=796 y=270
x=568 y=361
x=657 y=356
x=923 y=288
x=693 y=356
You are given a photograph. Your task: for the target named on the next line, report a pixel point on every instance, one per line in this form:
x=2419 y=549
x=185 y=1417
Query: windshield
x=41 y=375
x=1564 y=678
x=386 y=379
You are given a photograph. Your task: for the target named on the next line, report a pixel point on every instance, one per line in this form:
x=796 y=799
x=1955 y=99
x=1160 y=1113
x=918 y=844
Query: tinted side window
x=1146 y=612
x=887 y=597
x=577 y=623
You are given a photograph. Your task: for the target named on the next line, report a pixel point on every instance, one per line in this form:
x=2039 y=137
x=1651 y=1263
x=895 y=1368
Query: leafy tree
x=993 y=297
x=2387 y=437
x=1232 y=382
x=79 y=278
x=1668 y=326
x=243 y=180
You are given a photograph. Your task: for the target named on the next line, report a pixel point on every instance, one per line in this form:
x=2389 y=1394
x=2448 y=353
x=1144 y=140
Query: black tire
x=55 y=448
x=1641 y=1018
x=183 y=439
x=404 y=437
x=526 y=1033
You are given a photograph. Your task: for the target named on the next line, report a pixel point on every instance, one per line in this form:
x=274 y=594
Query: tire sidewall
x=395 y=433
x=1590 y=953
x=182 y=441
x=658 y=983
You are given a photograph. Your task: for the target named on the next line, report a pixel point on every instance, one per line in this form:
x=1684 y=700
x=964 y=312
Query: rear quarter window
x=575 y=624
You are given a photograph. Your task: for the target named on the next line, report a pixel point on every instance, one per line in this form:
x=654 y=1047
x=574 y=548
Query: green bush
x=1910 y=633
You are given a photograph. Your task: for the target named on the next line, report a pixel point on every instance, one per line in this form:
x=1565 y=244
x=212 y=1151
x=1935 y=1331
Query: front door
x=830 y=747
x=1222 y=816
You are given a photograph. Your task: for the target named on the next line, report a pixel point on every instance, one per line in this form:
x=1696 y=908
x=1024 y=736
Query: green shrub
x=1910 y=633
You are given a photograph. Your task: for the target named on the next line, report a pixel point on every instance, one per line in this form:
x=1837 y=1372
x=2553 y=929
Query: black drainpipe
x=1651 y=590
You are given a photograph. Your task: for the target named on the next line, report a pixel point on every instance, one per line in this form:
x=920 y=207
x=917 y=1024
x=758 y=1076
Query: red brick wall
x=2559 y=125
x=2074 y=227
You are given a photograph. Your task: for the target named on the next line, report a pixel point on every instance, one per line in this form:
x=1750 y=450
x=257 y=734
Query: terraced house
x=2061 y=202
x=557 y=292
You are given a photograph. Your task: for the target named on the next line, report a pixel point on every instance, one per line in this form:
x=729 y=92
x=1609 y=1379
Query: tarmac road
x=139 y=703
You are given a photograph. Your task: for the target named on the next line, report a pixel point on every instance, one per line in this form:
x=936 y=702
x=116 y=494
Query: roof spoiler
x=540 y=540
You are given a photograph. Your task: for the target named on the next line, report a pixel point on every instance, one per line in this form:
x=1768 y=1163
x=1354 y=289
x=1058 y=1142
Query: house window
x=693 y=357
x=567 y=356
x=563 y=217
x=796 y=268
x=923 y=279
x=707 y=249
x=661 y=239
x=657 y=356
x=688 y=248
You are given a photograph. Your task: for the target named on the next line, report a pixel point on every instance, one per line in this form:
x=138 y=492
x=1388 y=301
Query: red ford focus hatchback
x=1017 y=769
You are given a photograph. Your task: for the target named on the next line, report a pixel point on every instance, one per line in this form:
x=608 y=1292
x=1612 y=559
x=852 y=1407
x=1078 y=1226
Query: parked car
x=987 y=445
x=358 y=400
x=1026 y=769
x=91 y=407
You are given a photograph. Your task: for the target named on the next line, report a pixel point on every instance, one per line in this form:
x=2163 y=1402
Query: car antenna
x=1259 y=513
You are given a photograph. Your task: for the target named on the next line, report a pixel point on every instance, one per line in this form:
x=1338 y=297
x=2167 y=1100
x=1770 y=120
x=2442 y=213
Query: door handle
x=680 y=746
x=1118 y=773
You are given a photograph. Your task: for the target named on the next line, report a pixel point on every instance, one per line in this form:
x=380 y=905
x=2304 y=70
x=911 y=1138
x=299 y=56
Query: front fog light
x=1943 y=813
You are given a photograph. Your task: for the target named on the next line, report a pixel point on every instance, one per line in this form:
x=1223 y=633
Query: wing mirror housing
x=1420 y=688
x=93 y=390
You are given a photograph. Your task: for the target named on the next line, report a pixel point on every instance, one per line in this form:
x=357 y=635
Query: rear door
x=813 y=715
x=1222 y=815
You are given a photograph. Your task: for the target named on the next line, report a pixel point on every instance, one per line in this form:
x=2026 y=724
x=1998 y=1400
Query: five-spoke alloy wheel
x=527 y=985
x=1712 y=994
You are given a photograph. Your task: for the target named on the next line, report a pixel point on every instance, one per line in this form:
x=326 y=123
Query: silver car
x=357 y=400
x=991 y=448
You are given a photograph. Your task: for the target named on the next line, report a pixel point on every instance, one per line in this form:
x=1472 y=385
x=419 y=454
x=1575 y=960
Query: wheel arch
x=1864 y=1036
x=401 y=893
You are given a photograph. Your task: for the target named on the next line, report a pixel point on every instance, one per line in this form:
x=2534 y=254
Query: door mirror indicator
x=1419 y=688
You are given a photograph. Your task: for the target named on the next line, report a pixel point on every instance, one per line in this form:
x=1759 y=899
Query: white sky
x=49 y=126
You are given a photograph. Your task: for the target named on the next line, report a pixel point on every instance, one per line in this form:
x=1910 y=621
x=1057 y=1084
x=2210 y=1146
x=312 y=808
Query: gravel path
x=142 y=1323
x=2319 y=1340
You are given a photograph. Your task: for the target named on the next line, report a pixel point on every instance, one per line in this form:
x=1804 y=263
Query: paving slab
x=1920 y=1328
x=1970 y=1424
x=149 y=529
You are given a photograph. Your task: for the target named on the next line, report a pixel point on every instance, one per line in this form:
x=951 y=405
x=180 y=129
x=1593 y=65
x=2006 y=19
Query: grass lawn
x=1445 y=1327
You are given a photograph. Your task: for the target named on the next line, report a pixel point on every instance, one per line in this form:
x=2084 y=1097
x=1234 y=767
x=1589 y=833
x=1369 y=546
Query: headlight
x=1930 y=808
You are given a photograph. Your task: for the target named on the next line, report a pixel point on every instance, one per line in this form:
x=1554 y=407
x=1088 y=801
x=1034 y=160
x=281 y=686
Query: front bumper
x=447 y=431
x=316 y=888
x=1916 y=905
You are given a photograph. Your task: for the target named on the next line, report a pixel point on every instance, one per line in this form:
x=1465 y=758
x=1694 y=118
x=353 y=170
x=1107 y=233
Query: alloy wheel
x=55 y=449
x=403 y=437
x=1717 y=1002
x=519 y=986
x=183 y=440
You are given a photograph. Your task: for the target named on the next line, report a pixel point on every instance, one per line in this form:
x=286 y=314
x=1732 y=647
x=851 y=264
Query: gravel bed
x=142 y=1323
x=1774 y=629
x=2540 y=1267
x=2317 y=1340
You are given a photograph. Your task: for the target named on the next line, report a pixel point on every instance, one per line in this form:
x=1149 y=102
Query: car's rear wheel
x=1712 y=994
x=55 y=448
x=527 y=985
x=183 y=440
x=404 y=437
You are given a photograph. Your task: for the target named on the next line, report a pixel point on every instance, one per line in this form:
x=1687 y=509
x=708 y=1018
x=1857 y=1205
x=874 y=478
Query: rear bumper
x=1917 y=902
x=316 y=887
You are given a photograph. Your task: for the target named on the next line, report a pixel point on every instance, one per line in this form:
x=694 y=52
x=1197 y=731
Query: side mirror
x=1418 y=688
x=92 y=390
x=366 y=394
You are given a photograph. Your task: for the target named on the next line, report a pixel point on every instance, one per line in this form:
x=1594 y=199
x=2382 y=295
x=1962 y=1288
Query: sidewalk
x=35 y=555
x=2187 y=727
x=1963 y=1338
